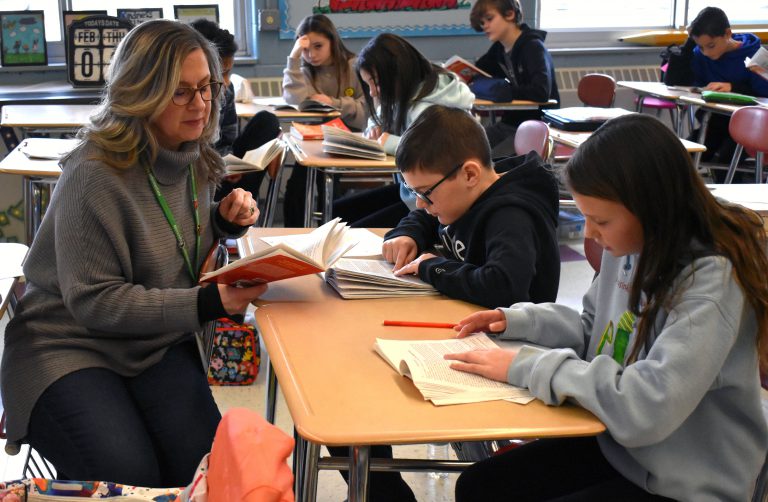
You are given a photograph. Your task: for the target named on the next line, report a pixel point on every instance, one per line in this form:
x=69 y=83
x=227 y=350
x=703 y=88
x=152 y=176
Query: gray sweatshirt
x=106 y=284
x=297 y=86
x=685 y=420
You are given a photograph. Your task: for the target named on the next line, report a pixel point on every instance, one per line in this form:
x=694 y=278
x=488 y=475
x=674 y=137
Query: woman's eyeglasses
x=424 y=196
x=183 y=96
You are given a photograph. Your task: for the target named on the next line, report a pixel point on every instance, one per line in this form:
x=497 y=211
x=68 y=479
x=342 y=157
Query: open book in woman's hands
x=296 y=255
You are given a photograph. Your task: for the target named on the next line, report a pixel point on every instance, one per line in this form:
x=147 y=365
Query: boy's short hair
x=711 y=21
x=504 y=7
x=439 y=138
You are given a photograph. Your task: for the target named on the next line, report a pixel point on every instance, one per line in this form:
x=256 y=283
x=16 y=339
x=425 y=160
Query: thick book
x=758 y=63
x=308 y=105
x=255 y=160
x=356 y=278
x=464 y=69
x=350 y=144
x=304 y=254
x=580 y=118
x=422 y=361
x=315 y=131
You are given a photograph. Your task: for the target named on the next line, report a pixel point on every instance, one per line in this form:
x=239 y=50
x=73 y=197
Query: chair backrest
x=597 y=89
x=749 y=127
x=533 y=135
x=594 y=253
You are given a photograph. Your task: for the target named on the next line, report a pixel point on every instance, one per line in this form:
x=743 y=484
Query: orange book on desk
x=294 y=256
x=315 y=131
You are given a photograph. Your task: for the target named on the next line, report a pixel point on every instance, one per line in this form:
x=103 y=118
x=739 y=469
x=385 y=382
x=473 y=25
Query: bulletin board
x=367 y=18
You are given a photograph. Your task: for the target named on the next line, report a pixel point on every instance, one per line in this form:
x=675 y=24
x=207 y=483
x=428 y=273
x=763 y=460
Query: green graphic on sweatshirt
x=619 y=338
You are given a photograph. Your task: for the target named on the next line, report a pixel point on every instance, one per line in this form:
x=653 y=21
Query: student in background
x=718 y=65
x=399 y=84
x=518 y=55
x=496 y=233
x=666 y=350
x=262 y=127
x=321 y=68
x=101 y=373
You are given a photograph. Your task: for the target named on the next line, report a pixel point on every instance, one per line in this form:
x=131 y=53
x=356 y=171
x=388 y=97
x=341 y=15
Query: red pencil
x=417 y=324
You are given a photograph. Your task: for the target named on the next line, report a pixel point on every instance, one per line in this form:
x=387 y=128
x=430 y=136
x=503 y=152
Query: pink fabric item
x=248 y=460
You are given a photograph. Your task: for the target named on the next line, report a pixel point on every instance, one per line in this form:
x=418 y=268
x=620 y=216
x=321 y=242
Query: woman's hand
x=399 y=250
x=322 y=98
x=299 y=46
x=493 y=363
x=413 y=267
x=239 y=208
x=488 y=321
x=235 y=300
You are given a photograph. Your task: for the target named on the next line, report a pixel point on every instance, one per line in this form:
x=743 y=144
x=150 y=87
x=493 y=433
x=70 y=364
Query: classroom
x=421 y=250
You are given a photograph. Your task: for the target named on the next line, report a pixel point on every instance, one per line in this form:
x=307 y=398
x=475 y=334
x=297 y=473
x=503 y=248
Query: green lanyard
x=172 y=221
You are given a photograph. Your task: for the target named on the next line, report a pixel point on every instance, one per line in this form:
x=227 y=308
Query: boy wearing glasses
x=476 y=235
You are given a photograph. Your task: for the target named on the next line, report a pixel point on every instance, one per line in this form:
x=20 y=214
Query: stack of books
x=349 y=144
x=315 y=131
x=356 y=278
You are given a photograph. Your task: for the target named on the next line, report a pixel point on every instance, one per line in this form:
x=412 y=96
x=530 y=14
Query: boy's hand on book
x=322 y=98
x=235 y=300
x=492 y=364
x=400 y=250
x=239 y=208
x=719 y=87
x=488 y=321
x=413 y=267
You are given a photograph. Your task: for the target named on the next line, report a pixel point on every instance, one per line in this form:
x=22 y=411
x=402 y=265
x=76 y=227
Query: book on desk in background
x=315 y=131
x=357 y=278
x=580 y=118
x=350 y=144
x=308 y=105
x=422 y=361
x=293 y=256
x=47 y=148
x=255 y=160
x=464 y=69
x=758 y=63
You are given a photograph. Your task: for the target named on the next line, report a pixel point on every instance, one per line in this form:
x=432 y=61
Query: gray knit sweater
x=106 y=284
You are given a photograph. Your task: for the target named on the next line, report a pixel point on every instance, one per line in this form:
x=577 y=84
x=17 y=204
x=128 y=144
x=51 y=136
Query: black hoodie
x=528 y=68
x=504 y=249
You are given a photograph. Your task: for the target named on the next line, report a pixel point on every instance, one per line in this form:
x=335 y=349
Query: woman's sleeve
x=296 y=88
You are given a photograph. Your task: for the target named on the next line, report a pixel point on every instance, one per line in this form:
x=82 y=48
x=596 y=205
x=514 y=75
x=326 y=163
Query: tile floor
x=576 y=276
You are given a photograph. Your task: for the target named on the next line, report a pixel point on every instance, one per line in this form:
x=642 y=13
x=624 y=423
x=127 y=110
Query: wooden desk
x=67 y=116
x=485 y=105
x=309 y=153
x=661 y=91
x=340 y=392
x=751 y=196
x=663 y=38
x=38 y=178
x=11 y=258
x=575 y=139
x=55 y=92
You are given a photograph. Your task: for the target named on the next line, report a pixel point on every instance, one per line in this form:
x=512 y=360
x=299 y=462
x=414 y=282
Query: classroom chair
x=749 y=129
x=594 y=253
x=533 y=135
x=597 y=89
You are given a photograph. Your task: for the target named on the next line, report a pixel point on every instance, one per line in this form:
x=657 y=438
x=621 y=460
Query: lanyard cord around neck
x=172 y=221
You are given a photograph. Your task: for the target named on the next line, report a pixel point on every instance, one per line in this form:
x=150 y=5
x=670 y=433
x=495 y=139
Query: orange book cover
x=276 y=266
x=463 y=68
x=315 y=131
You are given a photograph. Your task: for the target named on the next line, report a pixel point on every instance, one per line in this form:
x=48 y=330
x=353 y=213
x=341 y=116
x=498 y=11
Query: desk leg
x=271 y=396
x=308 y=206
x=702 y=136
x=271 y=202
x=358 y=473
x=311 y=456
x=328 y=199
x=299 y=461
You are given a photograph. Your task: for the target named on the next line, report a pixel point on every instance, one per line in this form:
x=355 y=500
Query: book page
x=368 y=244
x=372 y=269
x=313 y=243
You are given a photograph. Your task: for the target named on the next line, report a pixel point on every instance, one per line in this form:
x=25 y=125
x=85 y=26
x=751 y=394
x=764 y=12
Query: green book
x=731 y=98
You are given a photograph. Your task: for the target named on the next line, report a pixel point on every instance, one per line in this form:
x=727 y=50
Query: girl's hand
x=239 y=208
x=489 y=321
x=413 y=267
x=372 y=132
x=235 y=300
x=399 y=250
x=299 y=46
x=383 y=138
x=493 y=363
x=719 y=87
x=322 y=98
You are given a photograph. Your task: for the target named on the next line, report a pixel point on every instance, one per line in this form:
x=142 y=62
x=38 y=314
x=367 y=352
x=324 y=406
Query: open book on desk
x=464 y=69
x=349 y=144
x=307 y=254
x=315 y=131
x=758 y=63
x=308 y=105
x=255 y=160
x=356 y=278
x=422 y=361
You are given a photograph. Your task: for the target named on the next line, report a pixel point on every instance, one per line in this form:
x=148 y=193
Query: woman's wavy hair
x=637 y=161
x=340 y=55
x=403 y=76
x=144 y=72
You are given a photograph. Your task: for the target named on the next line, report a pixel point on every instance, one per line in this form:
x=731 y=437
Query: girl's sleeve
x=296 y=88
x=353 y=108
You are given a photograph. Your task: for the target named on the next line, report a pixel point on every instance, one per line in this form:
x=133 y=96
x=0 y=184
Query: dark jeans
x=375 y=208
x=295 y=198
x=382 y=486
x=567 y=469
x=149 y=430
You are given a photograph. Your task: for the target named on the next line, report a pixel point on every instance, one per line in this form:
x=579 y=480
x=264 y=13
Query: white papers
x=47 y=148
x=758 y=63
x=13 y=257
